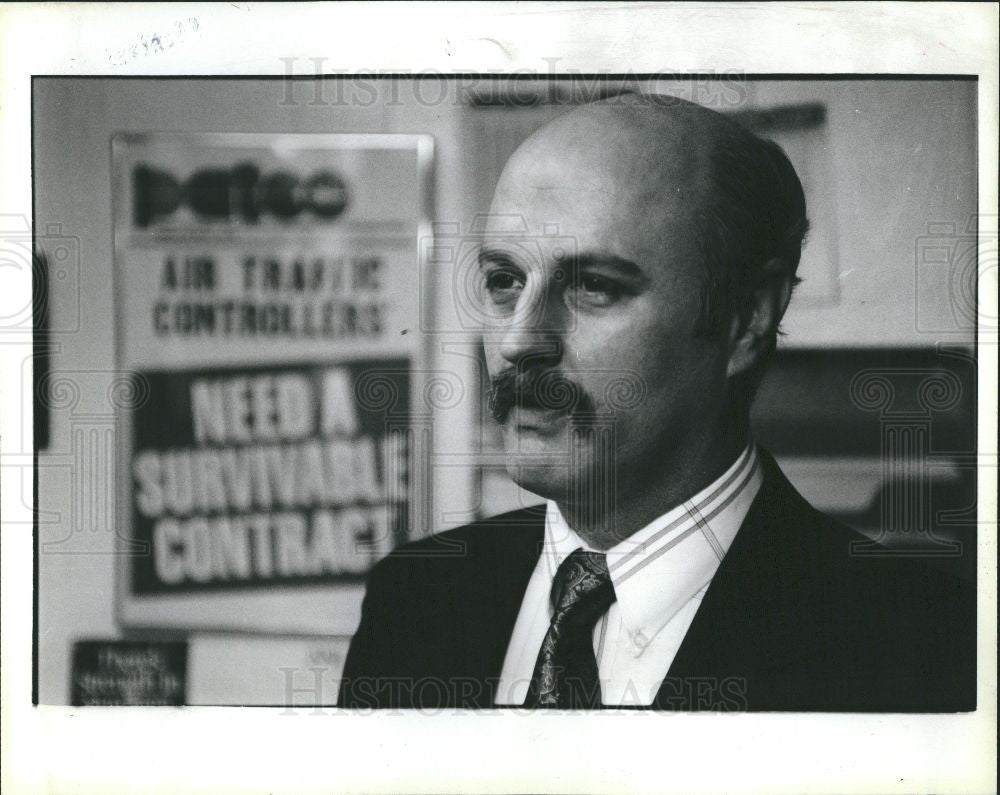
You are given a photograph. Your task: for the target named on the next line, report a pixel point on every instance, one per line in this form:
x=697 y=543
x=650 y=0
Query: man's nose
x=535 y=330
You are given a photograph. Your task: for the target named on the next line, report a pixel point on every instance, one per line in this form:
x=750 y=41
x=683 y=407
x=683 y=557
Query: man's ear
x=752 y=331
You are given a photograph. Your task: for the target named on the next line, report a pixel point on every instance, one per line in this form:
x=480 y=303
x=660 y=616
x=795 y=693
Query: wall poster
x=267 y=286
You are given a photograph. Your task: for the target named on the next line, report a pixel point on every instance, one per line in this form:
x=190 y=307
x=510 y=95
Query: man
x=673 y=566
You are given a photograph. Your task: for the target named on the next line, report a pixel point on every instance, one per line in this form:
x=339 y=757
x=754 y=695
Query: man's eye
x=597 y=290
x=503 y=287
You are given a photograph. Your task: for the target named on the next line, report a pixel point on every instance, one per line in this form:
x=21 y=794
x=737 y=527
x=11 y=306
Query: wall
x=74 y=120
x=903 y=159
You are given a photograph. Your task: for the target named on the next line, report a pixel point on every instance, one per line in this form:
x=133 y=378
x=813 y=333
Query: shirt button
x=640 y=640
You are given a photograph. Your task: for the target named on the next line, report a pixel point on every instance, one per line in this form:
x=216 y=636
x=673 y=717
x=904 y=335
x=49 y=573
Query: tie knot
x=581 y=589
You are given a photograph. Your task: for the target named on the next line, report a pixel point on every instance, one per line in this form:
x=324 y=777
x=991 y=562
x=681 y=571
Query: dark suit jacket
x=793 y=620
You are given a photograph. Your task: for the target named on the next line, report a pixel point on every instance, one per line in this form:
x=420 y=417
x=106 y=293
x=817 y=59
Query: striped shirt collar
x=661 y=567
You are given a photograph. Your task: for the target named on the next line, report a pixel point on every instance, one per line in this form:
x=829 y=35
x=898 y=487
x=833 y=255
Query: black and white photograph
x=614 y=409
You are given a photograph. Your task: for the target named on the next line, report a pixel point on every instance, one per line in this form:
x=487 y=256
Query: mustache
x=536 y=388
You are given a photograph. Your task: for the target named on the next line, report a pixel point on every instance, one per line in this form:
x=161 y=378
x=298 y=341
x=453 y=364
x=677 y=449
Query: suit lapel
x=497 y=584
x=726 y=637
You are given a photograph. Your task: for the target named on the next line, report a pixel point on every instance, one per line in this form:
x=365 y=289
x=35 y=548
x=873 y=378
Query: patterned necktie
x=566 y=671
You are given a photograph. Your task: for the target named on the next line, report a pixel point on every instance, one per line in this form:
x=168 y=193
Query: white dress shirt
x=660 y=575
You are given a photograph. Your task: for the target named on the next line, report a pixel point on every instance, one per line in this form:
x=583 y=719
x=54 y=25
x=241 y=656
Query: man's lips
x=534 y=418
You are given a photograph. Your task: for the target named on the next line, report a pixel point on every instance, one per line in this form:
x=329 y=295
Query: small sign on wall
x=128 y=673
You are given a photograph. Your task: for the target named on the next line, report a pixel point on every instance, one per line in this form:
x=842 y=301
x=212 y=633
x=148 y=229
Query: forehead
x=623 y=185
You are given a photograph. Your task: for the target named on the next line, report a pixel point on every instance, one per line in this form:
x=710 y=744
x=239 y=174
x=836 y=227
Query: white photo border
x=61 y=749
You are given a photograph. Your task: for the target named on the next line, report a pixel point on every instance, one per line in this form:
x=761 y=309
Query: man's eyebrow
x=598 y=259
x=487 y=255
